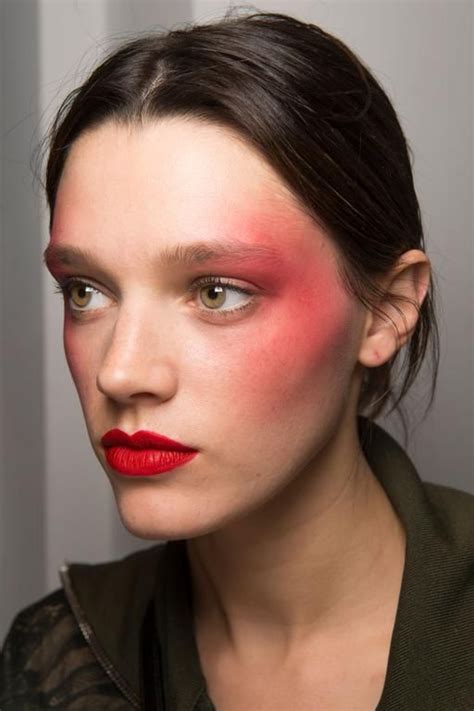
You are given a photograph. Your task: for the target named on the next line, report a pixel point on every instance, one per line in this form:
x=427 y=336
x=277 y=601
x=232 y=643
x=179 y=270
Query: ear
x=405 y=288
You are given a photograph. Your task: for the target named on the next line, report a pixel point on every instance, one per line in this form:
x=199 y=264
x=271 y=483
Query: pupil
x=215 y=290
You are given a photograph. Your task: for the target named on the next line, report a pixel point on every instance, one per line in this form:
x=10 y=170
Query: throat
x=311 y=580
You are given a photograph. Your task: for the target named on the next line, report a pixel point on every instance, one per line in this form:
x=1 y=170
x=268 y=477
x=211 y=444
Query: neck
x=329 y=549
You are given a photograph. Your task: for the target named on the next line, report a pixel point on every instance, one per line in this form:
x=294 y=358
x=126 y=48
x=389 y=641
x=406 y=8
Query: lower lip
x=145 y=462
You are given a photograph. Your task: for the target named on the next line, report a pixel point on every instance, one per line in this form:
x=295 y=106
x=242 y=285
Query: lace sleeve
x=46 y=663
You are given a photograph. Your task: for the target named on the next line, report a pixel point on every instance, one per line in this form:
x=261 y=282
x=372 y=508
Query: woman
x=236 y=233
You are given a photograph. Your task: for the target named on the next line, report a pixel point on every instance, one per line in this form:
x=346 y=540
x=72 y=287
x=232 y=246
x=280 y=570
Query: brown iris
x=84 y=293
x=215 y=294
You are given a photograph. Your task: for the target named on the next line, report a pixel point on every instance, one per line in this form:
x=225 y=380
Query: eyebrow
x=181 y=254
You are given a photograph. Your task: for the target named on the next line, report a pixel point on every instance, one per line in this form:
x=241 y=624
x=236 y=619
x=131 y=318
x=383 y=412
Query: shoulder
x=51 y=607
x=448 y=556
x=454 y=511
x=45 y=661
x=50 y=616
x=434 y=513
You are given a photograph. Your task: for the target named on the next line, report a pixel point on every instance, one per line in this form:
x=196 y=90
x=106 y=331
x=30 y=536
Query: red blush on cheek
x=301 y=341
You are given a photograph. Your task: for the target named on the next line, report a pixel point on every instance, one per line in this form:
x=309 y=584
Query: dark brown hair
x=313 y=110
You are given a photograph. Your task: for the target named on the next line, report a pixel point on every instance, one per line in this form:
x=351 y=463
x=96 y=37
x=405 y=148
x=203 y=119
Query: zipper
x=88 y=634
x=151 y=665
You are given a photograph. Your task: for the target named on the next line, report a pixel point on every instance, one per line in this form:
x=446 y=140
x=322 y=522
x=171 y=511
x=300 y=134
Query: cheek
x=80 y=359
x=304 y=349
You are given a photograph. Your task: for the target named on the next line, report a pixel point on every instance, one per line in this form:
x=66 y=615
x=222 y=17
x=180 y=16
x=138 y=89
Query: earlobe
x=392 y=321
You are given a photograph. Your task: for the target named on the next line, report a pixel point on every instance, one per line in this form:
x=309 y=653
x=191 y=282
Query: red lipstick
x=144 y=453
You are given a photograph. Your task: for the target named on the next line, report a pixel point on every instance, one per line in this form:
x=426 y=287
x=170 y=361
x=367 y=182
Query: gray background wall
x=55 y=501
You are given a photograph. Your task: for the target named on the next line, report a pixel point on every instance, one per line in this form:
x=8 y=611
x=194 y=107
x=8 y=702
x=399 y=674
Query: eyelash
x=65 y=287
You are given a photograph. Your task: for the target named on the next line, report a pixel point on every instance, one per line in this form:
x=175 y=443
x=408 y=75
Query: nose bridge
x=139 y=357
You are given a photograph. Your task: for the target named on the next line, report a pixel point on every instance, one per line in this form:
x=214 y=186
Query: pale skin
x=296 y=553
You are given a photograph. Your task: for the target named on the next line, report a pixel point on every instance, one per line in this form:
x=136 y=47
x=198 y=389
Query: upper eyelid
x=72 y=281
x=65 y=281
x=211 y=279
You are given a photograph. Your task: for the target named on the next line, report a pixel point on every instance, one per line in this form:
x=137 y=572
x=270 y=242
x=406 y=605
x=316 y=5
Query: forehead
x=176 y=180
x=171 y=163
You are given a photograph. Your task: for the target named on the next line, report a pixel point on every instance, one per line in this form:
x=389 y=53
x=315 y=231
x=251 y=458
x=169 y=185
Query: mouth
x=144 y=453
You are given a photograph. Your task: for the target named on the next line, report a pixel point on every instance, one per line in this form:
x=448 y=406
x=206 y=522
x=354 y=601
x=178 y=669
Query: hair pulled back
x=312 y=109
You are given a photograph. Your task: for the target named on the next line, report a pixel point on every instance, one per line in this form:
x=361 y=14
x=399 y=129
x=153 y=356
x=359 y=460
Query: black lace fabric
x=46 y=663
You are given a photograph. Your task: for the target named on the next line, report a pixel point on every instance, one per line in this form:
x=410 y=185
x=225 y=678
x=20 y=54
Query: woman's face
x=258 y=382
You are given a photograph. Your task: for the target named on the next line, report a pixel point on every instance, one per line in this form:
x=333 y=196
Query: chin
x=148 y=530
x=162 y=517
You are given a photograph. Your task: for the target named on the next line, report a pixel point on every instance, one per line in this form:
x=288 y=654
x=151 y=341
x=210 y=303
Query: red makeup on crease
x=144 y=453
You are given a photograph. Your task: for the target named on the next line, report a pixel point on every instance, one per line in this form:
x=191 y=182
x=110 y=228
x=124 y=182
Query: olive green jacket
x=78 y=648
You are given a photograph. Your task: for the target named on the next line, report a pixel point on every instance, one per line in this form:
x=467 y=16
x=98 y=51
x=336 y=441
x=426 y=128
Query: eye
x=79 y=295
x=215 y=292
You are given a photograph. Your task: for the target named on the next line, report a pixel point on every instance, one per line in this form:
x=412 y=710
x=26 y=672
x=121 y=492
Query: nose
x=140 y=359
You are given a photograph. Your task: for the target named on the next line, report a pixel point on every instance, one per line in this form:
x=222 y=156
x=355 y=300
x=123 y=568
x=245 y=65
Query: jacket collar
x=109 y=602
x=427 y=644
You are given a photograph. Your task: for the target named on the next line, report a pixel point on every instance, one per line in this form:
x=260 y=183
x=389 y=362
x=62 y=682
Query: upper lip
x=143 y=439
